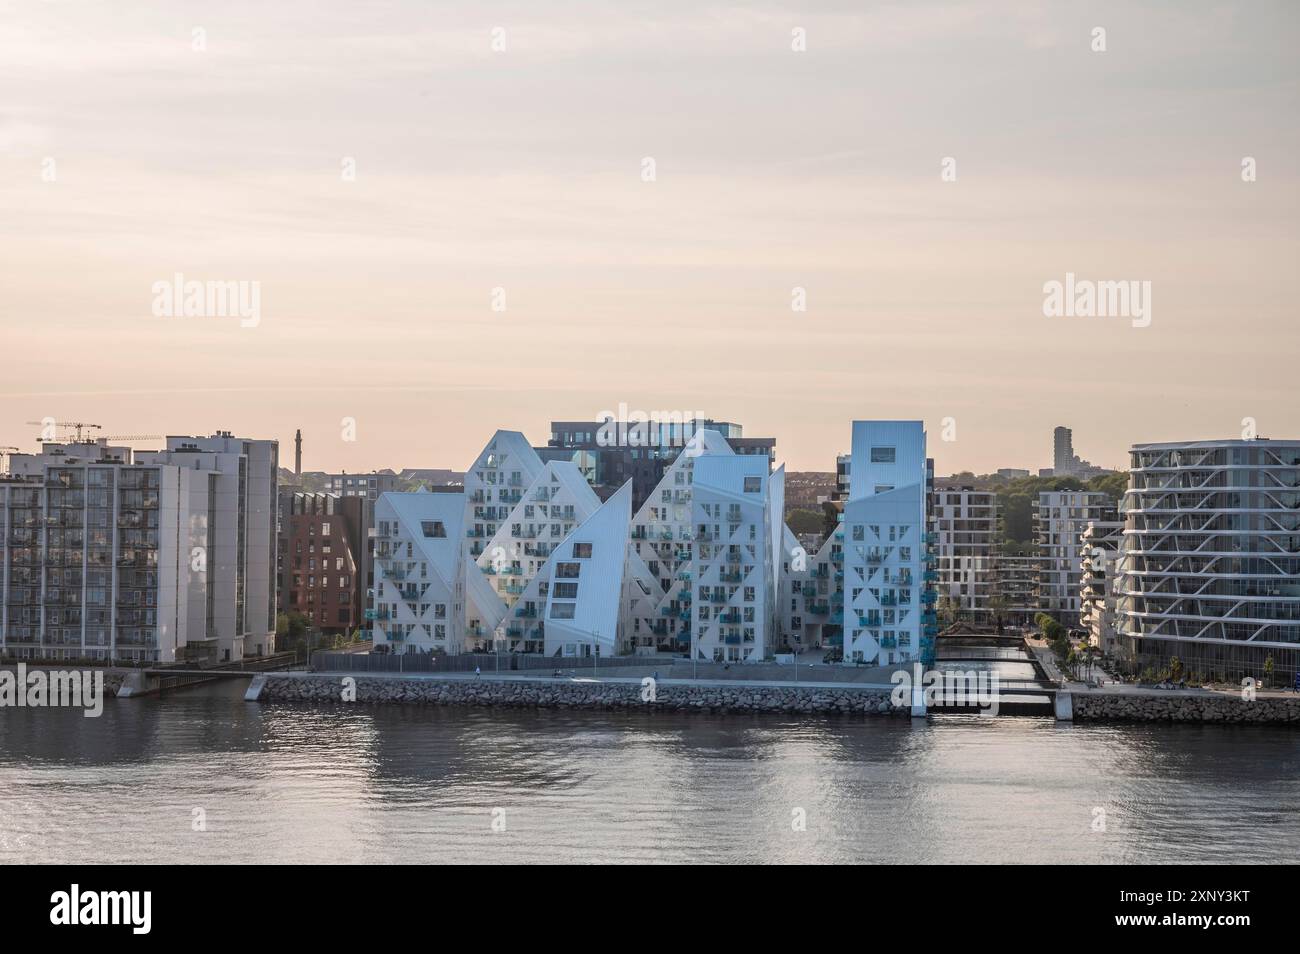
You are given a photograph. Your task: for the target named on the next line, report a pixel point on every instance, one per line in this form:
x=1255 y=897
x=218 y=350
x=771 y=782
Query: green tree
x=998 y=606
x=946 y=610
x=1113 y=485
x=804 y=521
x=1268 y=671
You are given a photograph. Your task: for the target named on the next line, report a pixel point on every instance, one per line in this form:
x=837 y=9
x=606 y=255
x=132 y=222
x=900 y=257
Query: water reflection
x=406 y=784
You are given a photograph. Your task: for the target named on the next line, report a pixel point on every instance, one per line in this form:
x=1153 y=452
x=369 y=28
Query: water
x=411 y=784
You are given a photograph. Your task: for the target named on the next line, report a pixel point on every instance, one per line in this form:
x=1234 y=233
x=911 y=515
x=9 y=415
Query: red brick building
x=322 y=559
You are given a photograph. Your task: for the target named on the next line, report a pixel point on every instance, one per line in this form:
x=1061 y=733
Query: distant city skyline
x=416 y=455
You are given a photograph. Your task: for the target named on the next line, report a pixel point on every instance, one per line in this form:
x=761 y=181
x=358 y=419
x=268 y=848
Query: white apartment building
x=1101 y=552
x=812 y=593
x=420 y=579
x=965 y=524
x=1212 y=558
x=494 y=485
x=1060 y=517
x=663 y=537
x=889 y=604
x=578 y=598
x=553 y=504
x=736 y=508
x=157 y=556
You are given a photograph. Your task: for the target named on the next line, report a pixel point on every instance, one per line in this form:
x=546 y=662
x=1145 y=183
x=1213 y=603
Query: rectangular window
x=567 y=571
x=753 y=485
x=882 y=455
x=582 y=551
x=562 y=610
x=566 y=591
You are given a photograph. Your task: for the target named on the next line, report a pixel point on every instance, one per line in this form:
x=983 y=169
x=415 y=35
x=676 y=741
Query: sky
x=447 y=212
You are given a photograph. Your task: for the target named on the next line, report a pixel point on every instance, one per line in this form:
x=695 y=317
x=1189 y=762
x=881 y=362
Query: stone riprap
x=1179 y=707
x=570 y=695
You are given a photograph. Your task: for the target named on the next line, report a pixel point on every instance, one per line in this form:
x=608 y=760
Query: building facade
x=966 y=525
x=888 y=562
x=1212 y=558
x=1101 y=548
x=1060 y=517
x=154 y=556
x=613 y=451
x=322 y=557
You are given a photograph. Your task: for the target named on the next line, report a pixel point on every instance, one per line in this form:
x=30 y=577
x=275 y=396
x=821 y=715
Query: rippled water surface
x=409 y=784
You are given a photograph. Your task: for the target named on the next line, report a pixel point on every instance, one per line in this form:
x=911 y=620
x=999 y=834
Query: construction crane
x=132 y=438
x=77 y=426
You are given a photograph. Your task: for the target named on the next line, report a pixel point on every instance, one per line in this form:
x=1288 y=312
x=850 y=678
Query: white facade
x=1060 y=517
x=663 y=537
x=965 y=524
x=888 y=612
x=554 y=503
x=494 y=485
x=580 y=593
x=1101 y=550
x=1212 y=558
x=420 y=564
x=811 y=600
x=736 y=508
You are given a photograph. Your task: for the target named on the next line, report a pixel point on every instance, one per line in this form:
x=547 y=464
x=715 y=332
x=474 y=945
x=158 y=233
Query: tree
x=946 y=610
x=804 y=521
x=998 y=606
x=1268 y=672
x=1112 y=485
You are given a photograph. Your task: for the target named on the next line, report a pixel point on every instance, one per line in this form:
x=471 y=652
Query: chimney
x=297 y=453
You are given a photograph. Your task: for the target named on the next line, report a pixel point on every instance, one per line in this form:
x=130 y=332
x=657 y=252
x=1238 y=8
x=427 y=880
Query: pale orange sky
x=522 y=169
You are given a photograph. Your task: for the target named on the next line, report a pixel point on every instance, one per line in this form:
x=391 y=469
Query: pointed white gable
x=552 y=505
x=584 y=581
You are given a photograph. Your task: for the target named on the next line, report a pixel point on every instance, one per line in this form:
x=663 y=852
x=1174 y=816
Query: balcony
x=526 y=612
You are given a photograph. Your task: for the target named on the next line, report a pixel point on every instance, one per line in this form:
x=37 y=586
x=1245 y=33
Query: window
x=753 y=485
x=566 y=591
x=433 y=528
x=567 y=571
x=562 y=610
x=582 y=551
x=882 y=455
